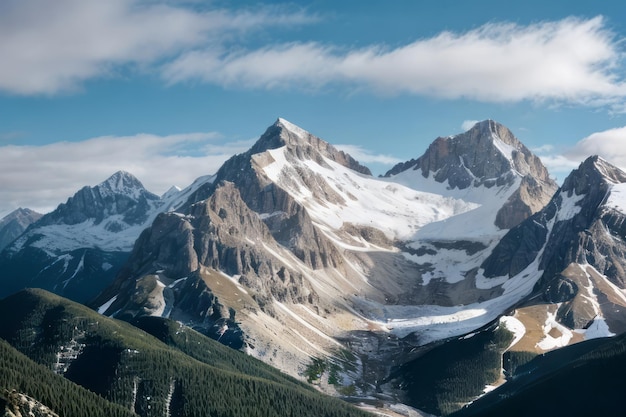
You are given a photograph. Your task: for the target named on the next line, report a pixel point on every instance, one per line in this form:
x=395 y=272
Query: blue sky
x=170 y=89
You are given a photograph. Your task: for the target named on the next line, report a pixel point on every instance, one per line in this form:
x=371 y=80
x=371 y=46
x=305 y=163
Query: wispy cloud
x=543 y=148
x=468 y=124
x=559 y=165
x=41 y=177
x=609 y=144
x=366 y=156
x=51 y=47
x=570 y=60
x=11 y=136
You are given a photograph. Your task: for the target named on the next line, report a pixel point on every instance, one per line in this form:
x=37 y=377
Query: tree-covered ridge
x=584 y=379
x=19 y=373
x=130 y=367
x=455 y=373
x=208 y=351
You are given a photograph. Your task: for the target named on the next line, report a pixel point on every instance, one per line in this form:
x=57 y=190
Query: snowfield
x=360 y=199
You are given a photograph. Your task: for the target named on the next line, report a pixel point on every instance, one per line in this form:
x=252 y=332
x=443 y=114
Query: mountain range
x=365 y=287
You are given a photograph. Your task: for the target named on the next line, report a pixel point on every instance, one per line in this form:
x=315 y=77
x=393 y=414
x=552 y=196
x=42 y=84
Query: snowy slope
x=358 y=199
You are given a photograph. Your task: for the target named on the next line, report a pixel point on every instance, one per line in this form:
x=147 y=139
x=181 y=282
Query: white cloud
x=468 y=124
x=50 y=47
x=41 y=177
x=543 y=148
x=365 y=156
x=559 y=165
x=570 y=60
x=609 y=144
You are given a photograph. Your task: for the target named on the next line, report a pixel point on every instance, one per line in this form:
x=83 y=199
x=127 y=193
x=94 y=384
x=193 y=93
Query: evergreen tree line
x=444 y=379
x=19 y=373
x=131 y=368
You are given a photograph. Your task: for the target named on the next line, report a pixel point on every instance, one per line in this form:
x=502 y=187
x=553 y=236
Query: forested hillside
x=131 y=368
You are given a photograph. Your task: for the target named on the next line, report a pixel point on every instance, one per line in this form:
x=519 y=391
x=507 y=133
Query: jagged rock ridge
x=487 y=155
x=574 y=250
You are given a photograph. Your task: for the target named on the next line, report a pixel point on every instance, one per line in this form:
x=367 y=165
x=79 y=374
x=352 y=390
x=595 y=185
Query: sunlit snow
x=397 y=210
x=569 y=206
x=617 y=197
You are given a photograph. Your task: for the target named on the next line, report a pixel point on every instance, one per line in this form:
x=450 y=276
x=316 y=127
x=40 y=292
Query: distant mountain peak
x=15 y=223
x=485 y=153
x=591 y=173
x=122 y=182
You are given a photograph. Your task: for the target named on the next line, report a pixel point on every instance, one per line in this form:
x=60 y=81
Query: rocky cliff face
x=487 y=155
x=288 y=221
x=21 y=405
x=244 y=225
x=578 y=247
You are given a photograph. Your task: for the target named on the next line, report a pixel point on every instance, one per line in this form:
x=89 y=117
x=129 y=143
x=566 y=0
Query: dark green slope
x=18 y=372
x=130 y=367
x=455 y=372
x=208 y=351
x=585 y=379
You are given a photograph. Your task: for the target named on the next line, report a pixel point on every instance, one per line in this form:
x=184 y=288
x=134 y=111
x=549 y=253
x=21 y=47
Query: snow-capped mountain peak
x=292 y=127
x=487 y=154
x=122 y=182
x=591 y=172
x=76 y=249
x=303 y=144
x=15 y=223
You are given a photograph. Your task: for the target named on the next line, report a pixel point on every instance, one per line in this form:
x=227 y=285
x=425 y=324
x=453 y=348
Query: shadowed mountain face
x=77 y=249
x=545 y=386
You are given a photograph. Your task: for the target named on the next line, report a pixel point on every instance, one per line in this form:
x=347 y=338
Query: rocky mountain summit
x=487 y=155
x=15 y=223
x=117 y=203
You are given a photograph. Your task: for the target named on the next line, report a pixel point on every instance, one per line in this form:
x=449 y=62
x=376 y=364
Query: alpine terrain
x=77 y=249
x=294 y=251
x=422 y=289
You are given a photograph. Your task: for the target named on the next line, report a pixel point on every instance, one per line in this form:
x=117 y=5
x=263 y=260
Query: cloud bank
x=41 y=177
x=609 y=144
x=571 y=60
x=54 y=48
